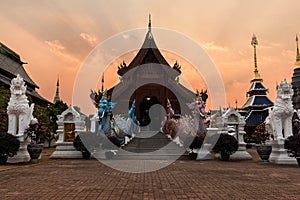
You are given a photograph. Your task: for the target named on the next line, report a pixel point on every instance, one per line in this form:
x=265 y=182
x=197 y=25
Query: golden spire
x=297 y=63
x=256 y=77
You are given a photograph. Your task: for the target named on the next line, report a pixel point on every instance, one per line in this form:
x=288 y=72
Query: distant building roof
x=257 y=86
x=257 y=101
x=256 y=117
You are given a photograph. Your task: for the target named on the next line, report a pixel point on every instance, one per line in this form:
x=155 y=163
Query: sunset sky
x=55 y=37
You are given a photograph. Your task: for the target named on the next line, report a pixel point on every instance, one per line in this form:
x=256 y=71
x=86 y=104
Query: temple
x=296 y=79
x=10 y=66
x=149 y=79
x=257 y=102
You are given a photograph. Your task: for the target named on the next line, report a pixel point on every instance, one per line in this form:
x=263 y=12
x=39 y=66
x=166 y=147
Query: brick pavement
x=184 y=179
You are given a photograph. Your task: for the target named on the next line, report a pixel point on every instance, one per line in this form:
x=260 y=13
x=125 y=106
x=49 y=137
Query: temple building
x=257 y=104
x=10 y=66
x=296 y=80
x=149 y=79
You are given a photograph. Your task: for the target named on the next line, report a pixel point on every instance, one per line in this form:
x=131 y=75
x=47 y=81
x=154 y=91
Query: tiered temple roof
x=148 y=53
x=296 y=79
x=150 y=67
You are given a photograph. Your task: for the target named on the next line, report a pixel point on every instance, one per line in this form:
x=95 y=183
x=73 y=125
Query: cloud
x=55 y=45
x=214 y=47
x=270 y=45
x=90 y=39
x=58 y=48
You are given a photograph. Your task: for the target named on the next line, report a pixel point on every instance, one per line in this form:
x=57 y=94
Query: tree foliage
x=4 y=98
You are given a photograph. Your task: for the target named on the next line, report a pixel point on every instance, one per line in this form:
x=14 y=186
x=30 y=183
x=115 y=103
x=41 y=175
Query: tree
x=4 y=98
x=51 y=128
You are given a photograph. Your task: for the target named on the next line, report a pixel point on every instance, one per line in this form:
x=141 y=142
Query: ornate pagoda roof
x=148 y=53
x=257 y=94
x=257 y=101
x=296 y=79
x=257 y=88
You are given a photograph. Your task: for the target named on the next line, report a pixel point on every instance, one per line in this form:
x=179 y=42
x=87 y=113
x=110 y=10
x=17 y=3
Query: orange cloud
x=89 y=38
x=214 y=47
x=57 y=48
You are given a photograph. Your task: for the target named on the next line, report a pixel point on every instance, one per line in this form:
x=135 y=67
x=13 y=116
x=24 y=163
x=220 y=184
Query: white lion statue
x=279 y=121
x=18 y=110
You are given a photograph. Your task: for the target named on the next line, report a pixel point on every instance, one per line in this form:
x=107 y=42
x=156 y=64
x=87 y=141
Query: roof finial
x=298 y=55
x=297 y=63
x=57 y=83
x=57 y=97
x=254 y=43
x=149 y=24
x=102 y=87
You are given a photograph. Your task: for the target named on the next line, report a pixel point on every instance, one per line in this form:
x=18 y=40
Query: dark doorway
x=149 y=95
x=145 y=106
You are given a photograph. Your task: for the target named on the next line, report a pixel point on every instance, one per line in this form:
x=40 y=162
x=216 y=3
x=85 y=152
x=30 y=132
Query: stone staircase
x=151 y=145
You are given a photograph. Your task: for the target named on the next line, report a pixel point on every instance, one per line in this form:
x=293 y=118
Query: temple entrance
x=150 y=95
x=145 y=106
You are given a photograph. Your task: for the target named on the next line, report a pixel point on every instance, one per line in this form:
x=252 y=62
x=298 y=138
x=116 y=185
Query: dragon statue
x=107 y=123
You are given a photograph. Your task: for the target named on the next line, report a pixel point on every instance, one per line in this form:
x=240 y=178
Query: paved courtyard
x=184 y=179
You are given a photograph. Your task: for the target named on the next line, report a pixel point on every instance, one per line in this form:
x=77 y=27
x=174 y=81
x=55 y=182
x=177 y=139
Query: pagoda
x=149 y=79
x=296 y=79
x=257 y=102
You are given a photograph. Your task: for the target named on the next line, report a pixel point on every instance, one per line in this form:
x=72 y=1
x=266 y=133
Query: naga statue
x=129 y=124
x=18 y=110
x=198 y=109
x=171 y=125
x=188 y=130
x=133 y=125
x=107 y=123
x=279 y=121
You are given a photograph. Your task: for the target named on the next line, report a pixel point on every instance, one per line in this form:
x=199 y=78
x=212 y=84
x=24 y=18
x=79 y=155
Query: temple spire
x=102 y=87
x=149 y=24
x=256 y=77
x=57 y=98
x=297 y=63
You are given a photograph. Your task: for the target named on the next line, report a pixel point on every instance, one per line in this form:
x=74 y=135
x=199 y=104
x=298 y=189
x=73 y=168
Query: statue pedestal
x=65 y=150
x=22 y=155
x=279 y=154
x=241 y=153
x=204 y=153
